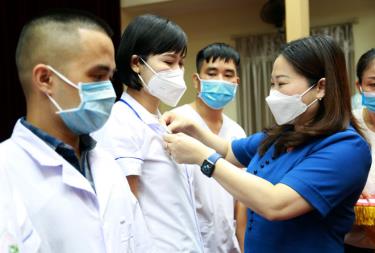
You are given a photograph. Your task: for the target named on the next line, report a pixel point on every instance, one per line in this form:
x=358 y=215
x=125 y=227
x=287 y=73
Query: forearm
x=133 y=184
x=241 y=220
x=254 y=192
x=273 y=202
x=211 y=140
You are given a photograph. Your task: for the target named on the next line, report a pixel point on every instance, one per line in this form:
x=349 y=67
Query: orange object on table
x=365 y=215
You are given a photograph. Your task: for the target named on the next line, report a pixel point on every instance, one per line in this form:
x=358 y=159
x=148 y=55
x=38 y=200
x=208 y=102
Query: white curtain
x=257 y=55
x=343 y=35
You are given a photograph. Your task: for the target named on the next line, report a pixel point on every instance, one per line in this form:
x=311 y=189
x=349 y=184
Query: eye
x=169 y=62
x=98 y=77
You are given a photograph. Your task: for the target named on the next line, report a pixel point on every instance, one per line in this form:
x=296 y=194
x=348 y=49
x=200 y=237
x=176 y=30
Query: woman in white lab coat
x=150 y=62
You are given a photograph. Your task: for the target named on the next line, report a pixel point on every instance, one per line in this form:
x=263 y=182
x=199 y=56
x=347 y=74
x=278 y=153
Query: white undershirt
x=215 y=206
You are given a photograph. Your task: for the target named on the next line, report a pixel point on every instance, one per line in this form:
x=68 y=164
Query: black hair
x=316 y=57
x=217 y=51
x=364 y=62
x=144 y=36
x=75 y=18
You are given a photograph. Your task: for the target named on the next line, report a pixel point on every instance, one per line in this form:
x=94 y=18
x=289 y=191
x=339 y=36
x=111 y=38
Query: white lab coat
x=64 y=209
x=215 y=206
x=16 y=230
x=164 y=189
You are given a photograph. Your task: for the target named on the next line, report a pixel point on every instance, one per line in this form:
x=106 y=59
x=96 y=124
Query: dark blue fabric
x=329 y=173
x=86 y=144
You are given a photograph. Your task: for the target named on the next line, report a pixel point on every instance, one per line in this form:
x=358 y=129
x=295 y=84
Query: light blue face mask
x=97 y=99
x=368 y=100
x=217 y=93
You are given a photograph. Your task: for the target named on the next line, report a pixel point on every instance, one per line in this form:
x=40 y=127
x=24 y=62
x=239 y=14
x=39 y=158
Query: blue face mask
x=368 y=100
x=97 y=99
x=217 y=93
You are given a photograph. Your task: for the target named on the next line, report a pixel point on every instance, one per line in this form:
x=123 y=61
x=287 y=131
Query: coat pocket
x=126 y=235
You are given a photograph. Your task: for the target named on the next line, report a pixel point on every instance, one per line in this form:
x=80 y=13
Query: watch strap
x=214 y=157
x=208 y=165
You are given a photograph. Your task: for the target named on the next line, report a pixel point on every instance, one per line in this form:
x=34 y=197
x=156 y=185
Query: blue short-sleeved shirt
x=329 y=173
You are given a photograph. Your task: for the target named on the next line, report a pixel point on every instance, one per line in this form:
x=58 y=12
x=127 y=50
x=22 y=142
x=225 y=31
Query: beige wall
x=361 y=12
x=207 y=23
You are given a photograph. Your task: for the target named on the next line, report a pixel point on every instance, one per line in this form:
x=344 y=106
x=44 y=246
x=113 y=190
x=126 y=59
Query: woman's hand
x=177 y=123
x=185 y=149
x=365 y=195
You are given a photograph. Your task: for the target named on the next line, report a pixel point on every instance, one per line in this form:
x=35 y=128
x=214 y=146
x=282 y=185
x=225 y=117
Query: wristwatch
x=208 y=165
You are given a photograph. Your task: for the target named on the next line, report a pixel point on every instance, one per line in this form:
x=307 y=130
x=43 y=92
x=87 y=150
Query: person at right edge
x=357 y=240
x=305 y=174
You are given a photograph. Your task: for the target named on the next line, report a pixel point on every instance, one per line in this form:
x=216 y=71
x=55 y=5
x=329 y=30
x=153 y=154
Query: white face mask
x=168 y=85
x=286 y=108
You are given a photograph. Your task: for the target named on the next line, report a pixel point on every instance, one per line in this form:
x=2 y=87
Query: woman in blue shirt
x=304 y=174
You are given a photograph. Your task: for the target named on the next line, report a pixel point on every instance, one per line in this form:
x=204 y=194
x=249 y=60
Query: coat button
x=262 y=166
x=255 y=172
x=267 y=162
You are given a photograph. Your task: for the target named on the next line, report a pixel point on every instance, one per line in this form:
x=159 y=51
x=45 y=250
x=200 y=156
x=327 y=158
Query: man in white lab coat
x=74 y=193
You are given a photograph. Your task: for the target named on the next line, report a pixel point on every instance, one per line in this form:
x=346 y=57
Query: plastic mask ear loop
x=148 y=66
x=305 y=93
x=54 y=103
x=307 y=90
x=62 y=77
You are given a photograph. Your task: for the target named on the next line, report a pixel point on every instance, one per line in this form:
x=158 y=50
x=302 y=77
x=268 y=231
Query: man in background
x=216 y=82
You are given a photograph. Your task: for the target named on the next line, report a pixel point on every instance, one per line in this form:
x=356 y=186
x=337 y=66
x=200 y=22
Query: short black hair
x=43 y=37
x=217 y=51
x=72 y=17
x=364 y=62
x=144 y=36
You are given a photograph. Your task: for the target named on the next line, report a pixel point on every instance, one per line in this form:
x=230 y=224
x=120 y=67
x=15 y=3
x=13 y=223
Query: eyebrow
x=174 y=55
x=102 y=68
x=230 y=70
x=170 y=54
x=281 y=76
x=211 y=69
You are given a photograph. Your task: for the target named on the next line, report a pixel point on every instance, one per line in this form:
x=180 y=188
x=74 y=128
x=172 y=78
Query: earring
x=320 y=99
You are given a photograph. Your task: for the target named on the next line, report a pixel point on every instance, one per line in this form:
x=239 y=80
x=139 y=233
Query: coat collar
x=47 y=158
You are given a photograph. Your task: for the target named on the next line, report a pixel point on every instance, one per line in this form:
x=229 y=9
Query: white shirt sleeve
x=122 y=137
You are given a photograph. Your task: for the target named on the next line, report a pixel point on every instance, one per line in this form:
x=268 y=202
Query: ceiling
x=166 y=7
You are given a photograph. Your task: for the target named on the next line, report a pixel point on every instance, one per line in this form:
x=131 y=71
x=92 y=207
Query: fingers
x=169 y=120
x=167 y=149
x=365 y=195
x=168 y=141
x=167 y=117
x=169 y=138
